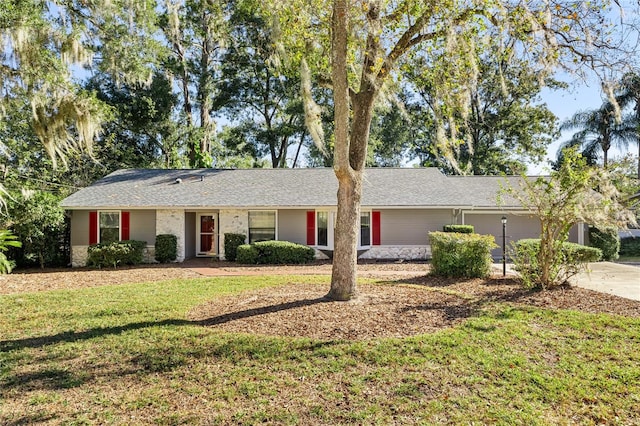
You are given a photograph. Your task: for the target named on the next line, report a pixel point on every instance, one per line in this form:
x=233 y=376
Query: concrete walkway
x=613 y=278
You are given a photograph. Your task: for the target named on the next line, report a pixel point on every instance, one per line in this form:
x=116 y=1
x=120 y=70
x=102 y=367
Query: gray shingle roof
x=313 y=187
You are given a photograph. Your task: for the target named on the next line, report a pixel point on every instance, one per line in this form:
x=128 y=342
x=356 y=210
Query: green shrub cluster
x=573 y=259
x=166 y=248
x=247 y=254
x=231 y=244
x=116 y=254
x=274 y=253
x=37 y=219
x=630 y=246
x=7 y=240
x=606 y=240
x=461 y=255
x=462 y=229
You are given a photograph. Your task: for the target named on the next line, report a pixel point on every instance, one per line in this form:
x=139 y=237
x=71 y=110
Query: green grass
x=128 y=355
x=629 y=259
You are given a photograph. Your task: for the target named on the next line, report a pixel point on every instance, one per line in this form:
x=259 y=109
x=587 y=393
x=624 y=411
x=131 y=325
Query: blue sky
x=564 y=103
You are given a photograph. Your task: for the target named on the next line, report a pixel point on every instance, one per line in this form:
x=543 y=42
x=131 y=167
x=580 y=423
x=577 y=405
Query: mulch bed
x=398 y=309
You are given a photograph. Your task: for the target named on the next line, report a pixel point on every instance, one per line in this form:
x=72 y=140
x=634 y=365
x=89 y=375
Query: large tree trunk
x=343 y=278
x=350 y=153
x=345 y=255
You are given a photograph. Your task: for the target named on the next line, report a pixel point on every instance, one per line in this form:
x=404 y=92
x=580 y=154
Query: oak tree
x=357 y=47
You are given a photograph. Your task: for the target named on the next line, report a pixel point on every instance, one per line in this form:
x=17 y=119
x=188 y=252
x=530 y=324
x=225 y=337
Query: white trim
x=370 y=229
x=581 y=233
x=289 y=207
x=119 y=223
x=330 y=228
x=215 y=234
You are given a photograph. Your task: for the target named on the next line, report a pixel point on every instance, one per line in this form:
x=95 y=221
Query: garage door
x=518 y=227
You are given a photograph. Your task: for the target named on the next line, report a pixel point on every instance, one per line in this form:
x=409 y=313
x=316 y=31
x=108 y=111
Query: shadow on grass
x=154 y=358
x=47 y=379
x=29 y=419
x=74 y=336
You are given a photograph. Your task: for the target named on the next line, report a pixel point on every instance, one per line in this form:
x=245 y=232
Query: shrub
x=283 y=252
x=247 y=254
x=231 y=244
x=129 y=252
x=274 y=253
x=166 y=248
x=630 y=246
x=573 y=259
x=7 y=240
x=462 y=229
x=456 y=254
x=606 y=240
x=37 y=219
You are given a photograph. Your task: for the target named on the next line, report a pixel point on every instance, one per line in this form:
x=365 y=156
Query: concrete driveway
x=613 y=278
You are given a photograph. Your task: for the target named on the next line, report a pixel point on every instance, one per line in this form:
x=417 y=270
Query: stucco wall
x=142 y=224
x=172 y=221
x=518 y=227
x=411 y=227
x=79 y=227
x=232 y=222
x=292 y=226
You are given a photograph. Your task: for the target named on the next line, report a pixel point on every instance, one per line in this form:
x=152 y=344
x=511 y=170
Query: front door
x=207 y=241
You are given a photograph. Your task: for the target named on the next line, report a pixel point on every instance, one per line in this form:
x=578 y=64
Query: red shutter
x=93 y=228
x=311 y=228
x=124 y=224
x=375 y=222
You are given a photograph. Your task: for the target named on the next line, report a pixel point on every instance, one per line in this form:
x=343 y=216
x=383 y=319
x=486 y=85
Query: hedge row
x=606 y=240
x=462 y=229
x=274 y=253
x=166 y=248
x=461 y=254
x=129 y=252
x=231 y=244
x=630 y=246
x=571 y=252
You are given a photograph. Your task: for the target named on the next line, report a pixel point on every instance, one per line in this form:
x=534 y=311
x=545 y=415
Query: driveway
x=613 y=278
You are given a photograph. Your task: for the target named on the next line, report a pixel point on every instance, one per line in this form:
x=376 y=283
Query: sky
x=579 y=96
x=564 y=103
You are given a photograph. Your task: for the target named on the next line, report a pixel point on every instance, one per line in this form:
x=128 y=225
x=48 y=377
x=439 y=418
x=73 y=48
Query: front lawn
x=129 y=354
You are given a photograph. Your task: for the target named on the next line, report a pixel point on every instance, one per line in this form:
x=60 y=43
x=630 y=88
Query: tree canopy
x=358 y=49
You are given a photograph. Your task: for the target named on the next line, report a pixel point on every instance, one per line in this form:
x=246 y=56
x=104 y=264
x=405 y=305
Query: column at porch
x=232 y=221
x=172 y=221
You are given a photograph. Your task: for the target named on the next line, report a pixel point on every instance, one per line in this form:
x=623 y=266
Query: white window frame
x=215 y=234
x=262 y=210
x=370 y=212
x=330 y=228
x=98 y=239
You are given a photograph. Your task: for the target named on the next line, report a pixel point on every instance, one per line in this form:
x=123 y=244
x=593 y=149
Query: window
x=365 y=229
x=109 y=227
x=323 y=228
x=262 y=226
